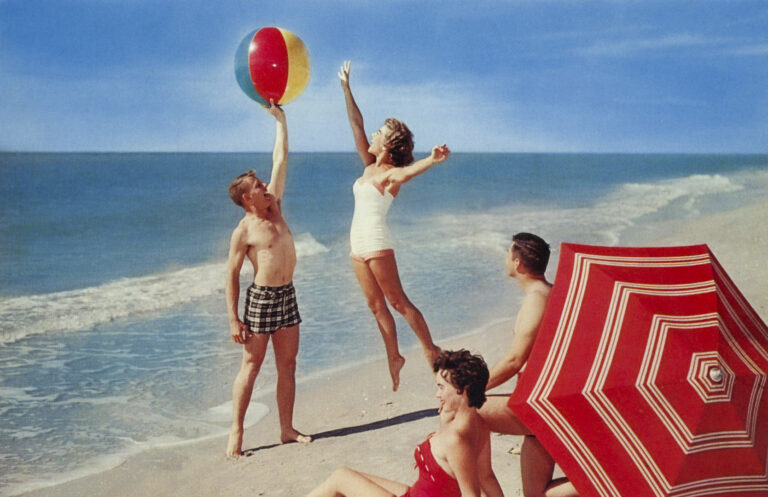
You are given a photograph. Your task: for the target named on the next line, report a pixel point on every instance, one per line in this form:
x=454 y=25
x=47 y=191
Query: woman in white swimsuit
x=388 y=161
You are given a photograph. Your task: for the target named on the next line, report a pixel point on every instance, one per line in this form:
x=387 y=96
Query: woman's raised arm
x=355 y=118
x=399 y=175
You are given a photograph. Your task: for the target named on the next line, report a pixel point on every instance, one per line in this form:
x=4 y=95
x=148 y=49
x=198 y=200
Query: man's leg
x=286 y=345
x=253 y=355
x=500 y=418
x=537 y=467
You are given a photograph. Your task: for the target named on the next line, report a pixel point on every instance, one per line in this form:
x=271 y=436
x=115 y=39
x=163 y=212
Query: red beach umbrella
x=648 y=376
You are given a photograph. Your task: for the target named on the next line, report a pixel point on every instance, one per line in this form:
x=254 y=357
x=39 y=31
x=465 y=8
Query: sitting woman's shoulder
x=466 y=428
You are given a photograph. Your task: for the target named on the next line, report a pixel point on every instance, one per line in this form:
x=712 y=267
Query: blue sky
x=493 y=75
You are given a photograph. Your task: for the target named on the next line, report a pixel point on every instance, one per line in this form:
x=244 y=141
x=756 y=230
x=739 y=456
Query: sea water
x=113 y=328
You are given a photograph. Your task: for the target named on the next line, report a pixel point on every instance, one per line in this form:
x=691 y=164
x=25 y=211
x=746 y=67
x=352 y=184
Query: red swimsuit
x=433 y=480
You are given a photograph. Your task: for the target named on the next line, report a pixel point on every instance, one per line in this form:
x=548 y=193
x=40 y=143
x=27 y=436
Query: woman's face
x=449 y=397
x=379 y=140
x=511 y=262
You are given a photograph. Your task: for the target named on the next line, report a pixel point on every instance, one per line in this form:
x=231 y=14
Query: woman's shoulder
x=466 y=426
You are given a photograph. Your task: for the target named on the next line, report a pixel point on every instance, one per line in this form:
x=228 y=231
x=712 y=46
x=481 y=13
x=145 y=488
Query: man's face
x=258 y=194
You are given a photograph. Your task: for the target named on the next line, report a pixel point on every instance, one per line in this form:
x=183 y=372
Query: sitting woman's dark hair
x=466 y=372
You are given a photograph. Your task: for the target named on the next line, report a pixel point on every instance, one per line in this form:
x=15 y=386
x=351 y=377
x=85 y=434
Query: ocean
x=113 y=329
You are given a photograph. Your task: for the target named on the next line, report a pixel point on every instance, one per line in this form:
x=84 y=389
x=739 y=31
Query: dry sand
x=357 y=421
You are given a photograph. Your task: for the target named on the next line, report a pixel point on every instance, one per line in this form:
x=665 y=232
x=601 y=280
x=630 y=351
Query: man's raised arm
x=279 y=154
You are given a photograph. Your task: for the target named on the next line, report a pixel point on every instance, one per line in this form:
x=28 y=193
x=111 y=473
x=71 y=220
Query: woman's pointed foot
x=395 y=366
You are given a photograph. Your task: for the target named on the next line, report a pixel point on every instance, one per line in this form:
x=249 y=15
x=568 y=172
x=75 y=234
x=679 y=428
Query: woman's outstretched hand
x=344 y=74
x=440 y=153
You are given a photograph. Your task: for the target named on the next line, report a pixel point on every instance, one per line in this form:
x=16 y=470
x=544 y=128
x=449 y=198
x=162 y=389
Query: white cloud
x=748 y=50
x=668 y=42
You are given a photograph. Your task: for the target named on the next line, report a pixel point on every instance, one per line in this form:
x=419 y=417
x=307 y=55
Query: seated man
x=526 y=262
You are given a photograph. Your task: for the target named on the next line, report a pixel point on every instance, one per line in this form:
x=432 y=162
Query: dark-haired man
x=270 y=304
x=526 y=262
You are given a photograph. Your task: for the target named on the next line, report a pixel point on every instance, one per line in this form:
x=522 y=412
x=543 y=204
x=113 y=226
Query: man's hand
x=276 y=111
x=239 y=331
x=344 y=74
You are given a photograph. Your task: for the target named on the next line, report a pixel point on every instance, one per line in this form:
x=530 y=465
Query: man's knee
x=286 y=365
x=251 y=364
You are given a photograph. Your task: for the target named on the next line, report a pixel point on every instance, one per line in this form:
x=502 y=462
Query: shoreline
x=358 y=421
x=367 y=414
x=262 y=398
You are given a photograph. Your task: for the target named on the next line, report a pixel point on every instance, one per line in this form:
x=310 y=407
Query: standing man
x=270 y=303
x=526 y=262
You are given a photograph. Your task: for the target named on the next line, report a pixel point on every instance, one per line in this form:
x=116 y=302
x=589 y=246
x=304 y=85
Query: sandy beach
x=358 y=421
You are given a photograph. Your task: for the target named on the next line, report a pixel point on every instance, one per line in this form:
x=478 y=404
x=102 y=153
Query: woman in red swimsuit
x=454 y=461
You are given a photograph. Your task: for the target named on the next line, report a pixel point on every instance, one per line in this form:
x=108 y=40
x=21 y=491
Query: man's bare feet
x=235 y=444
x=292 y=435
x=395 y=366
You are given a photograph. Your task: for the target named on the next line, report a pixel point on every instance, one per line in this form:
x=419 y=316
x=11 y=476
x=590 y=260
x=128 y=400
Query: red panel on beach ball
x=268 y=63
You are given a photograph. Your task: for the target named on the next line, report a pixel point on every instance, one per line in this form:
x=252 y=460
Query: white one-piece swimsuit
x=369 y=235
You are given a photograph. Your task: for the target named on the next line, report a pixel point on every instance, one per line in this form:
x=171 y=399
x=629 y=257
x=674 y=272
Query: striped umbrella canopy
x=648 y=376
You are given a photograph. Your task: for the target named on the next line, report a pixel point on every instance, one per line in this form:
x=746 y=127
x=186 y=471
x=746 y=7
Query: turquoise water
x=113 y=333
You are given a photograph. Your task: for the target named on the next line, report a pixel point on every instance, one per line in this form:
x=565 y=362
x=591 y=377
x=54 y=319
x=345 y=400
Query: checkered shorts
x=270 y=308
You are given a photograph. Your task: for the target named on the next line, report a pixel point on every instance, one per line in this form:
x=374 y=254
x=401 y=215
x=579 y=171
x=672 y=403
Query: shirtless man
x=526 y=262
x=270 y=304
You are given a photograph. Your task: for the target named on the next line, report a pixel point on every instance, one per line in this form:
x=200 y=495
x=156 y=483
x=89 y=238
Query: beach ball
x=272 y=63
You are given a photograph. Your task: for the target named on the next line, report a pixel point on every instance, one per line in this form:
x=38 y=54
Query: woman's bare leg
x=378 y=305
x=385 y=271
x=351 y=483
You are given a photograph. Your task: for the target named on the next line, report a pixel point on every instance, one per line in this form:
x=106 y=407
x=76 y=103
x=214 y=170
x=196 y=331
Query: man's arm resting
x=526 y=329
x=237 y=250
x=507 y=367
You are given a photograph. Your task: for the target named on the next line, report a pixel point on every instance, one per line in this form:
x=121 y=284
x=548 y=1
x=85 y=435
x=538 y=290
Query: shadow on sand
x=350 y=430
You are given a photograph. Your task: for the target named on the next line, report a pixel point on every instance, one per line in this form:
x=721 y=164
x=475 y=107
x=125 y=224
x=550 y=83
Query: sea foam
x=600 y=222
x=85 y=308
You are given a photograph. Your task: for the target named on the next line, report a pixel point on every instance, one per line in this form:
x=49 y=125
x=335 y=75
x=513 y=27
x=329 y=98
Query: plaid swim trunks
x=270 y=308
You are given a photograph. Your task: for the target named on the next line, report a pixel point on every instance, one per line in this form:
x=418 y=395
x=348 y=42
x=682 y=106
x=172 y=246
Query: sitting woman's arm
x=488 y=482
x=462 y=458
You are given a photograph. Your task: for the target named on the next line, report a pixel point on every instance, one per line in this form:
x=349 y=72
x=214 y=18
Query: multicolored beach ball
x=272 y=63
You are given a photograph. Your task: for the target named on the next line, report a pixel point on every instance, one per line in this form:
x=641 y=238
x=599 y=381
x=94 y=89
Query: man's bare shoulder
x=251 y=224
x=540 y=289
x=240 y=231
x=533 y=305
x=249 y=230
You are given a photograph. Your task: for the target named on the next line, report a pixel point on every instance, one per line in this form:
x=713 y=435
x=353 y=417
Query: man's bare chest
x=268 y=234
